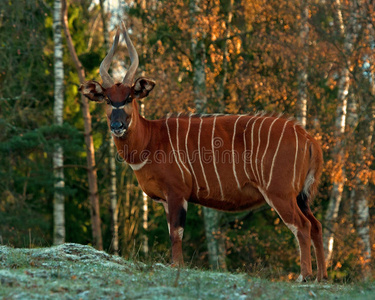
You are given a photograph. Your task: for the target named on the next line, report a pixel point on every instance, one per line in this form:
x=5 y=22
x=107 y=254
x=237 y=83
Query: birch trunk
x=90 y=152
x=215 y=245
x=144 y=209
x=339 y=177
x=130 y=217
x=360 y=197
x=58 y=111
x=113 y=196
x=349 y=35
x=228 y=7
x=303 y=64
x=361 y=193
x=362 y=140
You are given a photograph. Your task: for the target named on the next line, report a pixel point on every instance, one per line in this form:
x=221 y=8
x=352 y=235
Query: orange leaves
x=364 y=260
x=338 y=266
x=337 y=174
x=366 y=175
x=237 y=44
x=160 y=47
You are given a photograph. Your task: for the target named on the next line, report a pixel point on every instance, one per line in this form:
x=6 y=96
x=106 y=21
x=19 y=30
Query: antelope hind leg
x=297 y=222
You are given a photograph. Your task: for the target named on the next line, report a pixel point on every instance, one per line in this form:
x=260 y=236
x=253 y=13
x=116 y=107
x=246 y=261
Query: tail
x=312 y=177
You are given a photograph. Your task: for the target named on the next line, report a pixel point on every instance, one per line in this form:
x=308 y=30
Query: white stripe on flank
x=274 y=156
x=292 y=227
x=252 y=146
x=185 y=205
x=244 y=142
x=268 y=200
x=256 y=156
x=174 y=152
x=178 y=144
x=187 y=155
x=199 y=154
x=165 y=204
x=233 y=154
x=265 y=150
x=295 y=158
x=214 y=158
x=304 y=152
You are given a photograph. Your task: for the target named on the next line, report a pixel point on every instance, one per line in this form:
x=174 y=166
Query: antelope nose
x=117 y=126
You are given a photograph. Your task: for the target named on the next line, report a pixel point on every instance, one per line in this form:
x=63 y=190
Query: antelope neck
x=132 y=147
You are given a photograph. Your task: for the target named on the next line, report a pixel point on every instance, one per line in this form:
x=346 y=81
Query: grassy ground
x=73 y=271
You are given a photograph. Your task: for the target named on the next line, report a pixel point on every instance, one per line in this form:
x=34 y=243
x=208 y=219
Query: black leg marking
x=303 y=202
x=181 y=220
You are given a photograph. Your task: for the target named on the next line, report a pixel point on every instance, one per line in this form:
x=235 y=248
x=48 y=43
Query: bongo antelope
x=226 y=162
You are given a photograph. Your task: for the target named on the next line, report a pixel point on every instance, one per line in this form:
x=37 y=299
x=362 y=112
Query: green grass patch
x=73 y=271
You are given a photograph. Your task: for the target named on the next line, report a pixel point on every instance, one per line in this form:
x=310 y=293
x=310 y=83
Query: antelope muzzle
x=118 y=122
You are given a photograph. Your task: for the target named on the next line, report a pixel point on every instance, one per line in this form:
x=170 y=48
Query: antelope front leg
x=176 y=216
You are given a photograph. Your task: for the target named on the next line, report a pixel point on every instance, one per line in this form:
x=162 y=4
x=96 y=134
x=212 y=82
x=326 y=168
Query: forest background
x=311 y=59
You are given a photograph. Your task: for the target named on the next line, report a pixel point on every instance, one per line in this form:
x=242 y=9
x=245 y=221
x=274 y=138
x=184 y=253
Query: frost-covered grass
x=73 y=271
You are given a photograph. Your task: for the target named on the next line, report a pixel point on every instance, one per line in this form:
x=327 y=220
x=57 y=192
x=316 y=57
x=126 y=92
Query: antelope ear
x=93 y=91
x=142 y=87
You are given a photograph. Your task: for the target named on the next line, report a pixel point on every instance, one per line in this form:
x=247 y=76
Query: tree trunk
x=91 y=168
x=144 y=224
x=303 y=64
x=130 y=216
x=362 y=220
x=339 y=170
x=227 y=7
x=349 y=34
x=363 y=144
x=199 y=58
x=362 y=140
x=58 y=112
x=215 y=240
x=144 y=209
x=145 y=250
x=113 y=196
x=362 y=193
x=215 y=243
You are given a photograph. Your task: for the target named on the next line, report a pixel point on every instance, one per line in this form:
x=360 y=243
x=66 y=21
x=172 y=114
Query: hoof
x=176 y=265
x=303 y=279
x=321 y=280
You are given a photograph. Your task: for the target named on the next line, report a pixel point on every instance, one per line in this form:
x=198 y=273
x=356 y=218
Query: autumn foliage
x=253 y=61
